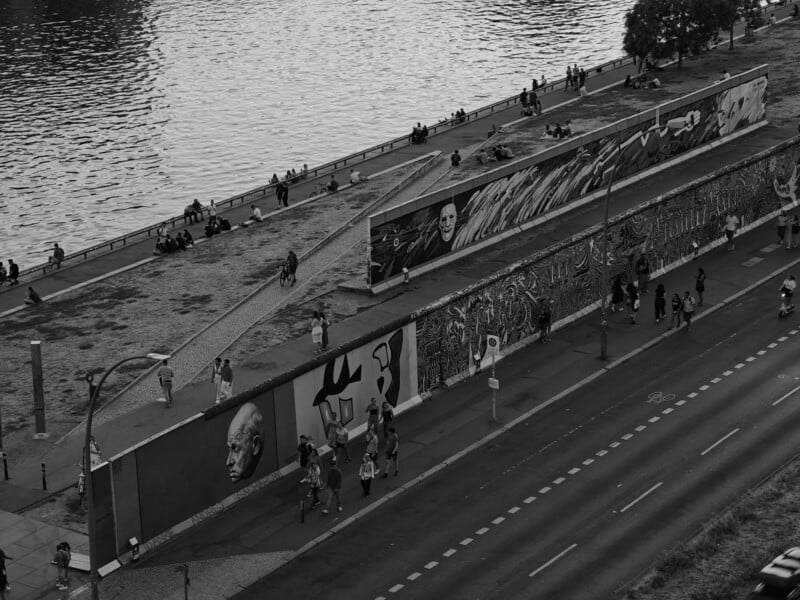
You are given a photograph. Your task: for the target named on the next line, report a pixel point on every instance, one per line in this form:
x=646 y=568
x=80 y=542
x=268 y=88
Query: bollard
x=38 y=390
x=5 y=465
x=44 y=478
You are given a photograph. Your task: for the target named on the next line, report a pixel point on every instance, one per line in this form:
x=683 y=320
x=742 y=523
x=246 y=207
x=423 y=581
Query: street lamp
x=93 y=576
x=604 y=283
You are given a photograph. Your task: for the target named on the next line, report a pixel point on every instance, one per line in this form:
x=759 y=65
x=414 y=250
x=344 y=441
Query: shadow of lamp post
x=93 y=576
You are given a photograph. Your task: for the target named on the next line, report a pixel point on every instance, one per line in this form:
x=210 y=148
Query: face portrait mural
x=447 y=222
x=245 y=442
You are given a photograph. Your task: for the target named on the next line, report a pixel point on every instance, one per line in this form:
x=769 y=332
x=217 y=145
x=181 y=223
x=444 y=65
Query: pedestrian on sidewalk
x=677 y=307
x=282 y=194
x=661 y=302
x=455 y=158
x=165 y=377
x=392 y=448
x=782 y=222
x=643 y=273
x=216 y=378
x=545 y=316
x=325 y=324
x=338 y=436
x=568 y=83
x=795 y=225
x=334 y=485
x=291 y=263
x=731 y=225
x=226 y=381
x=633 y=301
x=700 y=285
x=313 y=480
x=212 y=213
x=617 y=293
x=387 y=416
x=366 y=473
x=373 y=415
x=305 y=450
x=61 y=560
x=13 y=272
x=523 y=97
x=372 y=447
x=688 y=305
x=316 y=332
x=4 y=585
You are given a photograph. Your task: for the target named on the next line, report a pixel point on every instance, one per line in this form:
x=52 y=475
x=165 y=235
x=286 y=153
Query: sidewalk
x=265 y=531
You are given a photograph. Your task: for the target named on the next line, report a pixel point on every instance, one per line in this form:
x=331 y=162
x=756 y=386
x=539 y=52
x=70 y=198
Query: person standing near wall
x=373 y=415
x=387 y=416
x=165 y=377
x=371 y=439
x=643 y=273
x=334 y=482
x=312 y=478
x=226 y=383
x=782 y=222
x=216 y=378
x=731 y=225
x=392 y=449
x=795 y=225
x=366 y=473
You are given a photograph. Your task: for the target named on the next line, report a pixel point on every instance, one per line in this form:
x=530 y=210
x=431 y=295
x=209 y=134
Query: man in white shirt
x=255 y=213
x=725 y=75
x=355 y=177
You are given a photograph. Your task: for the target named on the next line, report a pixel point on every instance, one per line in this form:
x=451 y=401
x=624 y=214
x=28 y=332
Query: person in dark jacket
x=677 y=307
x=617 y=293
x=334 y=482
x=392 y=448
x=13 y=272
x=661 y=303
x=291 y=263
x=633 y=301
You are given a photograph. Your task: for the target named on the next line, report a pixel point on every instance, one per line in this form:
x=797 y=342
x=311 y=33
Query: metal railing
x=324 y=169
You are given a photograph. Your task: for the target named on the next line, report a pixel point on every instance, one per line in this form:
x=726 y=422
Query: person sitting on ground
x=423 y=135
x=725 y=75
x=170 y=244
x=527 y=111
x=628 y=81
x=506 y=151
x=356 y=177
x=772 y=19
x=558 y=132
x=255 y=213
x=32 y=297
x=482 y=157
x=57 y=258
x=187 y=238
x=656 y=82
x=333 y=185
x=180 y=241
x=498 y=153
x=548 y=133
x=274 y=178
x=455 y=158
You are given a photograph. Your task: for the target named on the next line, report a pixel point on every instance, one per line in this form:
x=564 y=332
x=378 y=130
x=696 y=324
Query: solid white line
x=718 y=442
x=396 y=588
x=513 y=509
x=482 y=530
x=499 y=520
x=449 y=553
x=785 y=396
x=431 y=565
x=529 y=499
x=413 y=576
x=652 y=489
x=552 y=560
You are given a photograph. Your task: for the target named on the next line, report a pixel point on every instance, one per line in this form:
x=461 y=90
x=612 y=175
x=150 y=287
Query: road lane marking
x=544 y=490
x=738 y=366
x=601 y=453
x=482 y=530
x=627 y=436
x=513 y=509
x=559 y=481
x=727 y=373
x=640 y=428
x=666 y=411
x=716 y=380
x=466 y=541
x=681 y=402
x=654 y=419
x=761 y=352
x=574 y=470
x=785 y=396
x=718 y=442
x=589 y=461
x=396 y=588
x=552 y=560
x=614 y=444
x=750 y=358
x=414 y=575
x=499 y=520
x=703 y=388
x=431 y=565
x=529 y=499
x=692 y=395
x=793 y=331
x=449 y=553
x=772 y=345
x=651 y=490
x=380 y=598
x=783 y=338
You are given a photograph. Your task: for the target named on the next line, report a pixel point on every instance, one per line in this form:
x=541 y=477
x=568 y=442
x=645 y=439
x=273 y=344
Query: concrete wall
x=449 y=223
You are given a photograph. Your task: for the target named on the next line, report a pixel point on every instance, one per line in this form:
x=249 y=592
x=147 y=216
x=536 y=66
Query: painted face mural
x=245 y=442
x=340 y=390
x=447 y=222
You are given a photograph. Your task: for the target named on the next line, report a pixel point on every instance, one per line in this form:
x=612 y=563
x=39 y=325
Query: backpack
x=688 y=304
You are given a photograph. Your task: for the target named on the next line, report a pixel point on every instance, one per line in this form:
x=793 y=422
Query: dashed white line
x=482 y=530
x=654 y=419
x=627 y=436
x=552 y=560
x=727 y=373
x=601 y=453
x=750 y=358
x=783 y=338
x=793 y=332
x=666 y=411
x=396 y=588
x=589 y=461
x=544 y=490
x=529 y=499
x=499 y=520
x=574 y=470
x=614 y=444
x=703 y=388
x=650 y=491
x=738 y=366
x=559 y=481
x=692 y=395
x=449 y=553
x=513 y=510
x=772 y=345
x=716 y=380
x=414 y=575
x=761 y=352
x=640 y=428
x=681 y=402
x=466 y=541
x=785 y=396
x=718 y=442
x=431 y=565
x=380 y=598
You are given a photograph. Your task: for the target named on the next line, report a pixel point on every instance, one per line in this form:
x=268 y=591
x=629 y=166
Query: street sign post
x=493 y=349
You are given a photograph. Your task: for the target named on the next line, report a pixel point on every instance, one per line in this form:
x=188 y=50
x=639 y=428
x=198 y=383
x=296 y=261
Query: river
x=116 y=113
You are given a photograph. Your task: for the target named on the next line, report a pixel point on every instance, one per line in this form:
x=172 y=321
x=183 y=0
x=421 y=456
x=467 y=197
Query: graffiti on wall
x=384 y=369
x=569 y=275
x=428 y=233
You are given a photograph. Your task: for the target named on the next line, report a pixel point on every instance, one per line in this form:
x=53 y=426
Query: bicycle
x=320 y=190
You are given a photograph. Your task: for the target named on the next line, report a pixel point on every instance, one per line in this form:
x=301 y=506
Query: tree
x=664 y=28
x=728 y=14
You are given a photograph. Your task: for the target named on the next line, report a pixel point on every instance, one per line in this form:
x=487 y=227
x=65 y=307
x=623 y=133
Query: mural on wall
x=569 y=275
x=384 y=369
x=431 y=232
x=245 y=442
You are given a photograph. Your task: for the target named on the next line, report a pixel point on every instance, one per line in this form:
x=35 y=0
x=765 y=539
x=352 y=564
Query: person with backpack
x=688 y=304
x=677 y=307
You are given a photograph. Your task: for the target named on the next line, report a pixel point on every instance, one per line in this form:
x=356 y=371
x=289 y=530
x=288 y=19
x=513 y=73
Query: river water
x=117 y=113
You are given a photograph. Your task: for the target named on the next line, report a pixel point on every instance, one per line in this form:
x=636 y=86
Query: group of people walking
x=338 y=440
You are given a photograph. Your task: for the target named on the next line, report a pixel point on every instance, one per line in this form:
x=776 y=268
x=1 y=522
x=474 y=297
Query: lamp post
x=93 y=577
x=604 y=283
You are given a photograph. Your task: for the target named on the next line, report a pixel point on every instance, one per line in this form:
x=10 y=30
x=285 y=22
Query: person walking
x=633 y=301
x=700 y=285
x=782 y=223
x=338 y=437
x=165 y=377
x=568 y=80
x=291 y=264
x=373 y=415
x=313 y=480
x=731 y=225
x=392 y=448
x=334 y=484
x=677 y=307
x=325 y=324
x=617 y=293
x=661 y=302
x=305 y=450
x=366 y=473
x=688 y=304
x=226 y=380
x=216 y=378
x=387 y=416
x=643 y=273
x=316 y=332
x=372 y=447
x=13 y=272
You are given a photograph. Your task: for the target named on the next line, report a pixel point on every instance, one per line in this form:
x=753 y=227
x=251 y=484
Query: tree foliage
x=666 y=28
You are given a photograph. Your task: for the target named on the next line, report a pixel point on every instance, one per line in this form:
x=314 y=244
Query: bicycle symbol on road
x=659 y=397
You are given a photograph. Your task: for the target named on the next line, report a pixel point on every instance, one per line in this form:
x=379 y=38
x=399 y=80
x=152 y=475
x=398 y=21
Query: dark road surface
x=584 y=496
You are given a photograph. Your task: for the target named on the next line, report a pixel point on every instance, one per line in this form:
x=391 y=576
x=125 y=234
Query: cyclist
x=788 y=286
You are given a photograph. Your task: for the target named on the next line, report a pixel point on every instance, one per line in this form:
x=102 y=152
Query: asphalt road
x=585 y=495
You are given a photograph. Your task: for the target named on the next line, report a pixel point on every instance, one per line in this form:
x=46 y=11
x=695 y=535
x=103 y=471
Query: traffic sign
x=492 y=345
x=494 y=384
